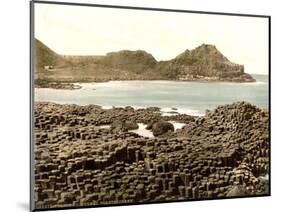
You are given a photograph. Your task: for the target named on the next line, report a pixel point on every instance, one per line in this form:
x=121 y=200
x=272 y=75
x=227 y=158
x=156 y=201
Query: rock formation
x=162 y=127
x=123 y=125
x=204 y=63
x=79 y=163
x=207 y=63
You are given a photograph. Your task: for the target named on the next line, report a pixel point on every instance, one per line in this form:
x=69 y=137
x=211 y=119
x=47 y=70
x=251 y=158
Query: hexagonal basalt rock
x=80 y=163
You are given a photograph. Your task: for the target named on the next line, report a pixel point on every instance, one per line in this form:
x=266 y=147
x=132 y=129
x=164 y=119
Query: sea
x=189 y=97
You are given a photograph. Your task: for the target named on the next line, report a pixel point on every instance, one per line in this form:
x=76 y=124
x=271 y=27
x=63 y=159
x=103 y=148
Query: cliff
x=44 y=56
x=204 y=63
x=207 y=62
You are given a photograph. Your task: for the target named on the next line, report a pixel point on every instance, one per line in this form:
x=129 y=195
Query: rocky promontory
x=204 y=63
x=79 y=162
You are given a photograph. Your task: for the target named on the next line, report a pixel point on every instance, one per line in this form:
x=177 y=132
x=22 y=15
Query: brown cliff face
x=44 y=56
x=206 y=62
x=134 y=61
x=202 y=63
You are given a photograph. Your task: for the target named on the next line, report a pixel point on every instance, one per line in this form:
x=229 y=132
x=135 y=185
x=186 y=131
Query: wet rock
x=162 y=127
x=117 y=126
x=131 y=125
x=129 y=108
x=121 y=125
x=149 y=126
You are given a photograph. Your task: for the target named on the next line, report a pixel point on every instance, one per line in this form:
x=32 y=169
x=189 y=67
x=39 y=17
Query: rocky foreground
x=80 y=163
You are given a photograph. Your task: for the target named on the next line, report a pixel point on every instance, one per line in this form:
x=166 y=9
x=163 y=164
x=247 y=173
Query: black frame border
x=31 y=102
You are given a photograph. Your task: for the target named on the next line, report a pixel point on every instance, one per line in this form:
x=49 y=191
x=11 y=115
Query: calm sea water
x=187 y=97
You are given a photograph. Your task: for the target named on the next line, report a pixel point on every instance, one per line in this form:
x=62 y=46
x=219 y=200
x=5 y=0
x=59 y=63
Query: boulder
x=149 y=126
x=121 y=125
x=129 y=108
x=117 y=125
x=150 y=123
x=131 y=125
x=162 y=127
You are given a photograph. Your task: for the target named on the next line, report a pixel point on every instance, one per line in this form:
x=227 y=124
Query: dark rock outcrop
x=131 y=125
x=162 y=127
x=123 y=125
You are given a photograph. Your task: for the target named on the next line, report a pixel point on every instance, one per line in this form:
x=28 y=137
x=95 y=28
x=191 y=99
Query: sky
x=80 y=30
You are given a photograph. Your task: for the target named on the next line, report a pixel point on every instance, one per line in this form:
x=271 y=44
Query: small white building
x=48 y=67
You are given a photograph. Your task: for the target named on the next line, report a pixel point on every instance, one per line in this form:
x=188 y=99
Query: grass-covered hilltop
x=204 y=63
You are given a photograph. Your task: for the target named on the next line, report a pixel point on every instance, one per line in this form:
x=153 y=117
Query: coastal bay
x=186 y=97
x=125 y=128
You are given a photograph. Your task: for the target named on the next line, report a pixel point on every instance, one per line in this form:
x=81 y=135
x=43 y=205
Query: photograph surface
x=135 y=105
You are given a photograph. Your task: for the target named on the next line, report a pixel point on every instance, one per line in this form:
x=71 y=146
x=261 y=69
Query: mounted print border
x=119 y=116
